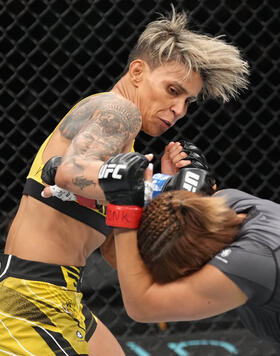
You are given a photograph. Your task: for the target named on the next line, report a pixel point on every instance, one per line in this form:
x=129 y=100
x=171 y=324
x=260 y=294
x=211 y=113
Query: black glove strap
x=49 y=170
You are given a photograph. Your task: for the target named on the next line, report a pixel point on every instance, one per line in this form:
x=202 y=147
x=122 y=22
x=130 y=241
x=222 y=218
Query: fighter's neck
x=126 y=89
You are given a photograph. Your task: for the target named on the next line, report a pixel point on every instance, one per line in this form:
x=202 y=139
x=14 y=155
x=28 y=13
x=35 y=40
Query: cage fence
x=54 y=53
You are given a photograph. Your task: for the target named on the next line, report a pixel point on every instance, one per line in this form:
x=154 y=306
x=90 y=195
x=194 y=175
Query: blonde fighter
x=49 y=240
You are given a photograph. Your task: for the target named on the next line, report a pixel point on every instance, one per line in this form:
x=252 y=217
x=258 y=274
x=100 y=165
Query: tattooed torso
x=97 y=128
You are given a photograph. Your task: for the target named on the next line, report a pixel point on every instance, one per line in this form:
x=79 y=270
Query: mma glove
x=195 y=155
x=48 y=177
x=49 y=170
x=194 y=178
x=198 y=177
x=122 y=180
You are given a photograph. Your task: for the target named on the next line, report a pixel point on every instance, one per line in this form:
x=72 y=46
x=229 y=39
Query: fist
x=122 y=179
x=194 y=154
x=192 y=179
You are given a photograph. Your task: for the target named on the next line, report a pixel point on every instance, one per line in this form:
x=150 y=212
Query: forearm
x=134 y=278
x=81 y=181
x=108 y=250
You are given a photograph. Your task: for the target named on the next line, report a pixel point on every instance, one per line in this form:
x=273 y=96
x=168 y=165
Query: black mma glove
x=122 y=180
x=196 y=176
x=49 y=170
x=195 y=180
x=195 y=155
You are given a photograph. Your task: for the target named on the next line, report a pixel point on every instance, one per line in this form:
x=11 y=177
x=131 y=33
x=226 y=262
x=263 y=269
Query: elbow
x=140 y=312
x=138 y=316
x=134 y=314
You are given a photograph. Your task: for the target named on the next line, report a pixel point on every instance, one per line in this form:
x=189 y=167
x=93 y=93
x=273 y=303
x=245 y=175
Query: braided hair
x=181 y=231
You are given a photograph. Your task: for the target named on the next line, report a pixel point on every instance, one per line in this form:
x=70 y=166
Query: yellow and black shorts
x=41 y=310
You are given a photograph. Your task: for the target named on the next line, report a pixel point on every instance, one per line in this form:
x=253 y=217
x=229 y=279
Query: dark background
x=55 y=52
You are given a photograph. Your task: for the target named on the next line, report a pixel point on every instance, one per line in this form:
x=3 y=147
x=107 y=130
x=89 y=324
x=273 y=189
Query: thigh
x=103 y=342
x=37 y=318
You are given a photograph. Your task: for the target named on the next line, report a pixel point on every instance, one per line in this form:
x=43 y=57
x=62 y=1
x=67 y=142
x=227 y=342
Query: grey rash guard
x=252 y=262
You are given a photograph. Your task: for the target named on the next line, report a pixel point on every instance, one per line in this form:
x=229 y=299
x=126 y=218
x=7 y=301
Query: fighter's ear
x=136 y=71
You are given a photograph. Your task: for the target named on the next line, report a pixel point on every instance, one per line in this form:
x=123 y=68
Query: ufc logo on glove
x=112 y=169
x=191 y=181
x=122 y=181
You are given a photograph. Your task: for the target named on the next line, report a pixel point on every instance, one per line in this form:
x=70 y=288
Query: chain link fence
x=55 y=52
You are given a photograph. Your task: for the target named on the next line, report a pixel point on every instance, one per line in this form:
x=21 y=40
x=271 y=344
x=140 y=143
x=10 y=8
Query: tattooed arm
x=99 y=128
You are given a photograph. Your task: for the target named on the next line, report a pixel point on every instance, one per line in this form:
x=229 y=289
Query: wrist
x=159 y=182
x=123 y=216
x=120 y=232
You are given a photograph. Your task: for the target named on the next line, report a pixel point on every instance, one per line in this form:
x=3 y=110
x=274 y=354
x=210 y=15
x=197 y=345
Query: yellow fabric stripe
x=26 y=305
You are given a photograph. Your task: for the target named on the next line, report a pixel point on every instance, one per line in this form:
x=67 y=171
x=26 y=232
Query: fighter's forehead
x=178 y=74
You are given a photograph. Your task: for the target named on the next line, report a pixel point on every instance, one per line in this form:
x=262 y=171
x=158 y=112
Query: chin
x=154 y=132
x=151 y=133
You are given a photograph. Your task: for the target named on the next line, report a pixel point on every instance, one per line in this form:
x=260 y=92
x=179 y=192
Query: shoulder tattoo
x=99 y=129
x=114 y=114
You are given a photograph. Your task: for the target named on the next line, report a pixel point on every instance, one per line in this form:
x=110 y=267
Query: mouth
x=166 y=123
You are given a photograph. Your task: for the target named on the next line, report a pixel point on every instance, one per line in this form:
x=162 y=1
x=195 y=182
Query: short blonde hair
x=223 y=71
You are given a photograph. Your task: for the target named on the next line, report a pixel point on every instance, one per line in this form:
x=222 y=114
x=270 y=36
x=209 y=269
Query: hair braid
x=180 y=231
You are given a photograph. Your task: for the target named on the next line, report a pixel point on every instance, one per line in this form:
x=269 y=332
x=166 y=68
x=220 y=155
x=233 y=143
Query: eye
x=172 y=91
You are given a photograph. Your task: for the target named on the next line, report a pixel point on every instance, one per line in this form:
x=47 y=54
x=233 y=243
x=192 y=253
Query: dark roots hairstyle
x=223 y=71
x=181 y=231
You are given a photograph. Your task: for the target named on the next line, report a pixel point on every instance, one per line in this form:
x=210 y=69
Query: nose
x=179 y=109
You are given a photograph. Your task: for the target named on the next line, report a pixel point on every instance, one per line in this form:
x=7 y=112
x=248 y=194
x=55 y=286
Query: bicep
x=113 y=123
x=106 y=126
x=205 y=293
x=99 y=129
x=95 y=142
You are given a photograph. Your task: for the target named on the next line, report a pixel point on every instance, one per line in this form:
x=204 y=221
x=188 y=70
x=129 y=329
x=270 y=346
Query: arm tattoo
x=74 y=120
x=99 y=128
x=82 y=182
